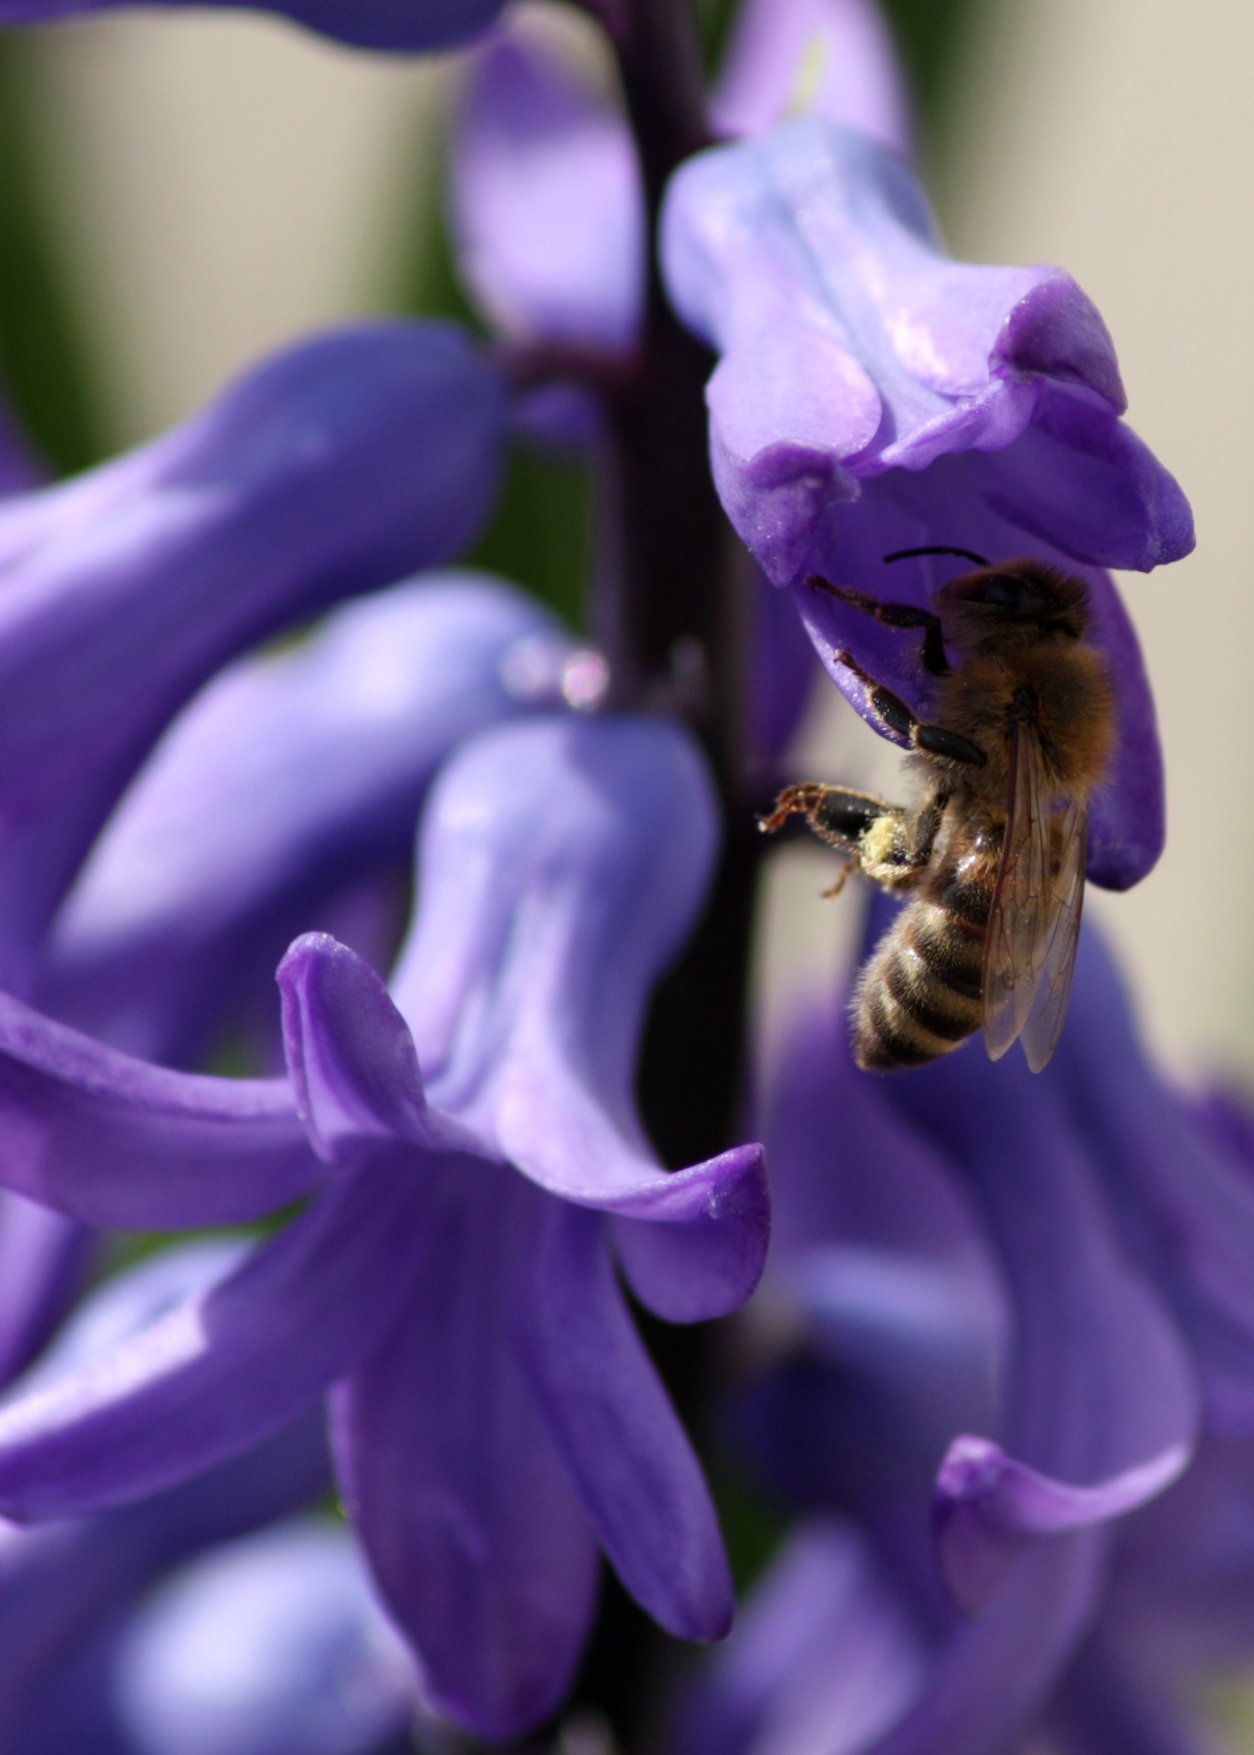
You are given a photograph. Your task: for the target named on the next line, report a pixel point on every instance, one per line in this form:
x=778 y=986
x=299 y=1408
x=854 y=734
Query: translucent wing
x=1034 y=920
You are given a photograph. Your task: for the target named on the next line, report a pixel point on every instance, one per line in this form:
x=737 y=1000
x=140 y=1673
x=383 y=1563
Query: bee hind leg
x=836 y=814
x=887 y=844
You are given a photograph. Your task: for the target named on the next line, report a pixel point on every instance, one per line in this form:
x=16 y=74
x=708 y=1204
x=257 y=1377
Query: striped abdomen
x=920 y=994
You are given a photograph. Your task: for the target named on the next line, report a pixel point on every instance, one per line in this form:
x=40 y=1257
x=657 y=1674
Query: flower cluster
x=487 y=1137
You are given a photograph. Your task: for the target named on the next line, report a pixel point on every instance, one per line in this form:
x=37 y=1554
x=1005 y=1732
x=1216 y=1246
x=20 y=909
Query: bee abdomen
x=919 y=995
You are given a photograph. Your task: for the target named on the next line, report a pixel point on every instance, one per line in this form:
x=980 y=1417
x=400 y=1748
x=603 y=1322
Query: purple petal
x=352 y=1059
x=562 y=862
x=783 y=673
x=351 y=1056
x=834 y=58
x=823 y=1659
x=367 y=24
x=330 y=470
x=114 y=1141
x=547 y=206
x=706 y=1255
x=989 y=1507
x=1185 y=1201
x=174 y=909
x=1102 y=1709
x=274 y=1643
x=618 y=1433
x=991 y=1675
x=1101 y=1392
x=223 y=1368
x=911 y=355
x=481 y=1548
x=44 y=1261
x=62 y=1582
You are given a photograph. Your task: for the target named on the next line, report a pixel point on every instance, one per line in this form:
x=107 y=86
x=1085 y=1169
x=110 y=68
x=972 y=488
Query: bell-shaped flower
x=1173 y=1619
x=367 y=24
x=68 y=1588
x=460 y=1258
x=964 y=1286
x=330 y=470
x=275 y=1642
x=872 y=395
x=546 y=198
x=223 y=850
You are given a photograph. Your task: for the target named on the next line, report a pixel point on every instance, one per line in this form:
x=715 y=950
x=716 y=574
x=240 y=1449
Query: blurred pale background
x=227 y=182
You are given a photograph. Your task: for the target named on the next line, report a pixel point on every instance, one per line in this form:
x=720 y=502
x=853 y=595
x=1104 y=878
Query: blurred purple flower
x=563 y=860
x=174 y=926
x=967 y=1253
x=872 y=395
x=367 y=24
x=545 y=192
x=66 y=1587
x=332 y=469
x=832 y=58
x=273 y=1644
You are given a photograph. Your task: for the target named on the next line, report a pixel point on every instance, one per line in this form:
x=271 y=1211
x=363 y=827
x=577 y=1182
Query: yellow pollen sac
x=881 y=841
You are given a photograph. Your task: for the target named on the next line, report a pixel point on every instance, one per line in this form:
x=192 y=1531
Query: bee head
x=1025 y=594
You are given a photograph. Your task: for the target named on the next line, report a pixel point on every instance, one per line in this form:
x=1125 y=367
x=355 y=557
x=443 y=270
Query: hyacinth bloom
x=366 y=24
x=69 y=1587
x=1020 y=1325
x=872 y=395
x=1031 y=1284
x=173 y=927
x=469 y=1222
x=276 y=1642
x=554 y=261
x=335 y=468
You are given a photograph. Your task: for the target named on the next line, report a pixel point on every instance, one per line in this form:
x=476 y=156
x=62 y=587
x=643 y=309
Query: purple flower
x=872 y=395
x=829 y=58
x=998 y=1355
x=335 y=468
x=368 y=24
x=546 y=198
x=460 y=1259
x=175 y=927
x=69 y=1586
x=271 y=1644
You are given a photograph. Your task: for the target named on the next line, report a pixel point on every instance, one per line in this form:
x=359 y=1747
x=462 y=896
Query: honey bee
x=992 y=855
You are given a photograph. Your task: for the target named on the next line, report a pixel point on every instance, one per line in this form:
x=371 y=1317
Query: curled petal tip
x=989 y=1507
x=350 y=1054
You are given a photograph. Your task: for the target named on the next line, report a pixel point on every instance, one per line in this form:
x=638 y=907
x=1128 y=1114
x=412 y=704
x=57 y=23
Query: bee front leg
x=894 y=615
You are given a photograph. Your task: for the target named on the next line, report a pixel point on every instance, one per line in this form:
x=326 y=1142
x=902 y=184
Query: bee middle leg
x=893 y=713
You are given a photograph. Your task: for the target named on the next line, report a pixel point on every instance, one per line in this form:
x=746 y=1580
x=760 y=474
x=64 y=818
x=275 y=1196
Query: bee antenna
x=965 y=554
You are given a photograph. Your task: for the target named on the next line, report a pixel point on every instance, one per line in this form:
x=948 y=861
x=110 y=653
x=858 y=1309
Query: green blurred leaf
x=44 y=359
x=541 y=537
